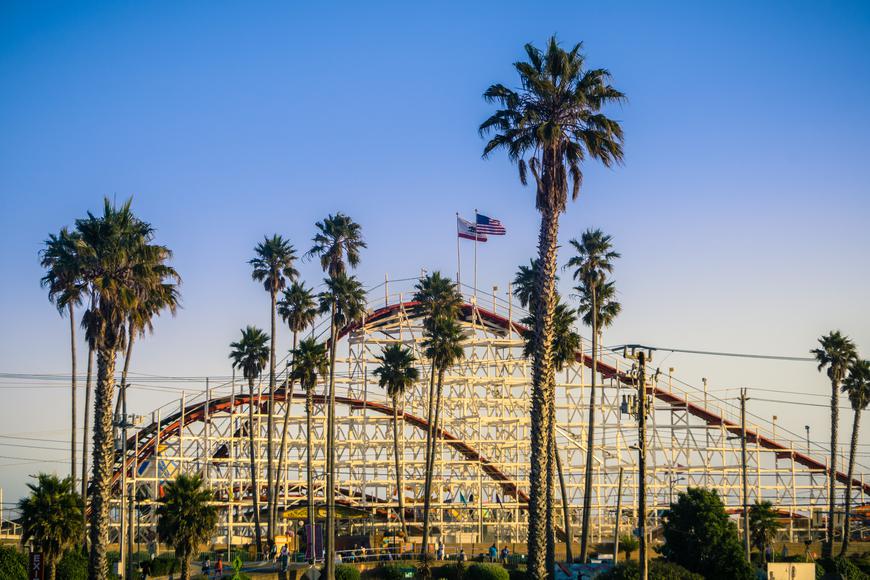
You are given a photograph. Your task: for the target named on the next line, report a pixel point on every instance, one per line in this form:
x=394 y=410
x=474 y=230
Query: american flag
x=488 y=225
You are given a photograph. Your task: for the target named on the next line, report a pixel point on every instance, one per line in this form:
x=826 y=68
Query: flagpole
x=458 y=257
x=476 y=234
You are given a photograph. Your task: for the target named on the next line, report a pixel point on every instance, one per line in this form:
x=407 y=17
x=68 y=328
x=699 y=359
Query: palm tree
x=338 y=240
x=186 y=517
x=762 y=526
x=298 y=309
x=118 y=261
x=273 y=266
x=51 y=518
x=66 y=289
x=592 y=263
x=250 y=354
x=549 y=127
x=395 y=374
x=309 y=362
x=836 y=352
x=628 y=544
x=857 y=386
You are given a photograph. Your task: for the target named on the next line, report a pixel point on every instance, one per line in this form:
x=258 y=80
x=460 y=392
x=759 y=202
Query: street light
x=807 y=427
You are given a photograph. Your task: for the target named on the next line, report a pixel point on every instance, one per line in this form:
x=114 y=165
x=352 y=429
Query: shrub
x=447 y=572
x=346 y=572
x=73 y=566
x=164 y=565
x=13 y=564
x=517 y=574
x=386 y=572
x=485 y=571
x=839 y=568
x=628 y=544
x=658 y=570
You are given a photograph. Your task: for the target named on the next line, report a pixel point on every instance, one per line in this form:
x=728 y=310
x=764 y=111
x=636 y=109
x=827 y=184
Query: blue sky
x=741 y=210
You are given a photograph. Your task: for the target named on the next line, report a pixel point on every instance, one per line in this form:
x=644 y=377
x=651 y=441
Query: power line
x=717 y=353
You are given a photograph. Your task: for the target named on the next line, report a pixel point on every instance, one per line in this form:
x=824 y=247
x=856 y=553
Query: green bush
x=164 y=565
x=447 y=572
x=622 y=571
x=385 y=572
x=517 y=574
x=13 y=564
x=658 y=570
x=346 y=572
x=73 y=566
x=485 y=571
x=839 y=568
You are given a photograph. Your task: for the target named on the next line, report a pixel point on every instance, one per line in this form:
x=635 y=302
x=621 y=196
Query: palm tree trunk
x=85 y=447
x=330 y=453
x=122 y=399
x=430 y=467
x=566 y=515
x=255 y=488
x=72 y=347
x=551 y=478
x=270 y=491
x=543 y=376
x=828 y=545
x=590 y=438
x=400 y=491
x=52 y=570
x=104 y=459
x=309 y=411
x=288 y=399
x=185 y=567
x=847 y=528
x=424 y=548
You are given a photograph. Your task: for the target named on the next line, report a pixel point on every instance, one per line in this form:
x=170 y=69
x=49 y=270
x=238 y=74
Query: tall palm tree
x=298 y=309
x=117 y=260
x=310 y=361
x=836 y=352
x=592 y=263
x=549 y=126
x=762 y=526
x=250 y=354
x=337 y=244
x=66 y=289
x=857 y=386
x=186 y=517
x=273 y=265
x=51 y=518
x=437 y=299
x=396 y=373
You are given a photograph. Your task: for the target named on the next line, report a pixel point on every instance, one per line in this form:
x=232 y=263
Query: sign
x=36 y=569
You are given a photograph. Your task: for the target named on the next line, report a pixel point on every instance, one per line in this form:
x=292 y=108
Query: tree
x=700 y=537
x=836 y=352
x=298 y=309
x=273 y=265
x=857 y=386
x=309 y=362
x=762 y=526
x=549 y=127
x=186 y=517
x=628 y=544
x=438 y=301
x=592 y=263
x=120 y=265
x=249 y=355
x=51 y=518
x=396 y=373
x=337 y=243
x=66 y=289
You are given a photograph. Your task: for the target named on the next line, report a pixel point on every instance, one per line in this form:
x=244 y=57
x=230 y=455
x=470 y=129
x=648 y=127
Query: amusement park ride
x=481 y=477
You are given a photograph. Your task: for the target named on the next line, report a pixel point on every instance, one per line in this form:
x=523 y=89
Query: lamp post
x=807 y=427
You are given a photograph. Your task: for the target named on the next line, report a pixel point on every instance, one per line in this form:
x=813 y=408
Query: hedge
x=485 y=571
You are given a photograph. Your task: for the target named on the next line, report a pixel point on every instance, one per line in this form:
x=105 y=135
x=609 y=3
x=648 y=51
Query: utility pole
x=642 y=358
x=744 y=475
x=618 y=519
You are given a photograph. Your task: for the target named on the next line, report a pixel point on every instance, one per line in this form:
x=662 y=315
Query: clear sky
x=741 y=212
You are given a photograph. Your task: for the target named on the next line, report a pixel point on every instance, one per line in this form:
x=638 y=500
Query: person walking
x=219 y=569
x=206 y=567
x=504 y=555
x=493 y=553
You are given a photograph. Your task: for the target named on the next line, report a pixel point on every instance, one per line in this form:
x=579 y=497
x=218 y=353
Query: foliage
x=338 y=239
x=840 y=568
x=309 y=362
x=346 y=572
x=658 y=570
x=485 y=571
x=345 y=298
x=73 y=566
x=185 y=518
x=628 y=544
x=396 y=371
x=273 y=263
x=51 y=516
x=762 y=525
x=13 y=564
x=700 y=536
x=386 y=572
x=251 y=352
x=453 y=571
x=297 y=307
x=164 y=565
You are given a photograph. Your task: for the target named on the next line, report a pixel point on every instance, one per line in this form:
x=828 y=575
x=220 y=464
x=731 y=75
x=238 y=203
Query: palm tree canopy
x=347 y=295
x=337 y=240
x=762 y=524
x=309 y=362
x=442 y=342
x=524 y=283
x=297 y=307
x=836 y=352
x=566 y=341
x=437 y=297
x=608 y=307
x=554 y=120
x=185 y=516
x=857 y=384
x=273 y=263
x=396 y=371
x=251 y=352
x=51 y=516
x=63 y=269
x=594 y=258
